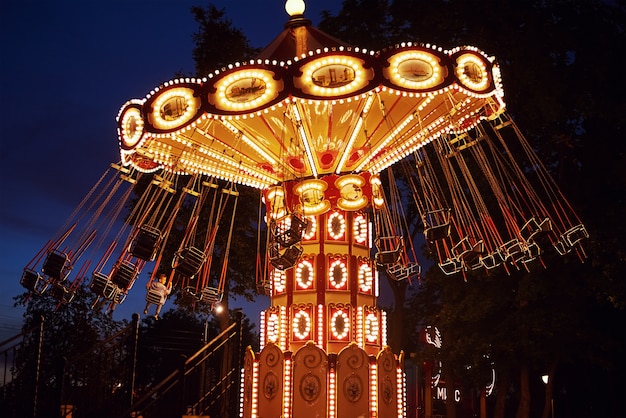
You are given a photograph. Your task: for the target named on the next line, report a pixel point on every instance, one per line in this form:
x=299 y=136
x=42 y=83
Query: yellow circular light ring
x=343 y=278
x=279 y=278
x=336 y=226
x=365 y=277
x=333 y=76
x=273 y=329
x=311 y=228
x=302 y=325
x=371 y=328
x=173 y=108
x=339 y=317
x=131 y=127
x=359 y=229
x=472 y=73
x=305 y=282
x=415 y=70
x=245 y=89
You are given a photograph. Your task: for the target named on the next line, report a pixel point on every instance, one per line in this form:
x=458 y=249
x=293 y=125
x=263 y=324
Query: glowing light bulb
x=295 y=7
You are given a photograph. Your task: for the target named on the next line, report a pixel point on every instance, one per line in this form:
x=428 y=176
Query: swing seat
x=102 y=286
x=33 y=281
x=188 y=294
x=492 y=260
x=210 y=295
x=61 y=293
x=534 y=231
x=391 y=252
x=189 y=261
x=400 y=272
x=514 y=250
x=532 y=252
x=55 y=265
x=289 y=230
x=436 y=224
x=146 y=243
x=468 y=250
x=124 y=275
x=119 y=297
x=575 y=234
x=285 y=259
x=154 y=297
x=561 y=246
x=264 y=288
x=451 y=266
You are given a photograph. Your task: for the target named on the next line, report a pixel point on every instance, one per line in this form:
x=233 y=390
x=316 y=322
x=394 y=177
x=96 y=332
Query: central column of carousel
x=323 y=339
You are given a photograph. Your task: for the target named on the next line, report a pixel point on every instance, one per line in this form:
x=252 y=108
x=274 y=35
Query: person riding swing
x=158 y=291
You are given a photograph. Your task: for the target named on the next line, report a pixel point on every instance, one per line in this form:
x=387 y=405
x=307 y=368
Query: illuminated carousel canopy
x=308 y=106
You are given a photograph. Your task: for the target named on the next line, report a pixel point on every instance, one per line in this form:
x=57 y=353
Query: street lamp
x=545 y=379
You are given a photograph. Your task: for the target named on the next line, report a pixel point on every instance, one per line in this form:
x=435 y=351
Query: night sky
x=67 y=67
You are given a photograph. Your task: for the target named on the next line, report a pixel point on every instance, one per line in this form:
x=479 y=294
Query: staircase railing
x=206 y=384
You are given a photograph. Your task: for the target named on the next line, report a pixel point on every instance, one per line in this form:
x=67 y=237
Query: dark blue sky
x=66 y=68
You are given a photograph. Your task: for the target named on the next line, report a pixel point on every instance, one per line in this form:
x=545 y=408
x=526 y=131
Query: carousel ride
x=317 y=126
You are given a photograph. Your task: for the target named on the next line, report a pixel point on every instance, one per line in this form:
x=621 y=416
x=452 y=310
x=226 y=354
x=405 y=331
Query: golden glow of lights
x=305 y=274
x=279 y=278
x=301 y=325
x=415 y=70
x=365 y=277
x=288 y=389
x=336 y=226
x=338 y=274
x=320 y=325
x=359 y=326
x=263 y=334
x=255 y=389
x=371 y=328
x=373 y=387
x=340 y=325
x=276 y=199
x=295 y=7
x=312 y=201
x=383 y=315
x=350 y=188
x=360 y=228
x=283 y=330
x=131 y=127
x=332 y=390
x=400 y=393
x=378 y=198
x=304 y=138
x=273 y=328
x=245 y=89
x=472 y=72
x=173 y=108
x=333 y=75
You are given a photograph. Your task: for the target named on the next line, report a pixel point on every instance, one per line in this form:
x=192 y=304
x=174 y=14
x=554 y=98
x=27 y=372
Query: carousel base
x=310 y=382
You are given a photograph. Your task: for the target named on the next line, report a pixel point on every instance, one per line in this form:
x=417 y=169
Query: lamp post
x=546 y=379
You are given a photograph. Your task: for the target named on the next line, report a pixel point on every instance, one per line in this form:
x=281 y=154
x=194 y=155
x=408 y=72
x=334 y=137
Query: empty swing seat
x=210 y=295
x=436 y=224
x=469 y=252
x=404 y=271
x=146 y=243
x=102 y=286
x=33 y=281
x=514 y=250
x=492 y=260
x=124 y=275
x=576 y=234
x=390 y=253
x=189 y=261
x=285 y=259
x=61 y=293
x=55 y=265
x=451 y=266
x=533 y=231
x=289 y=230
x=264 y=288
